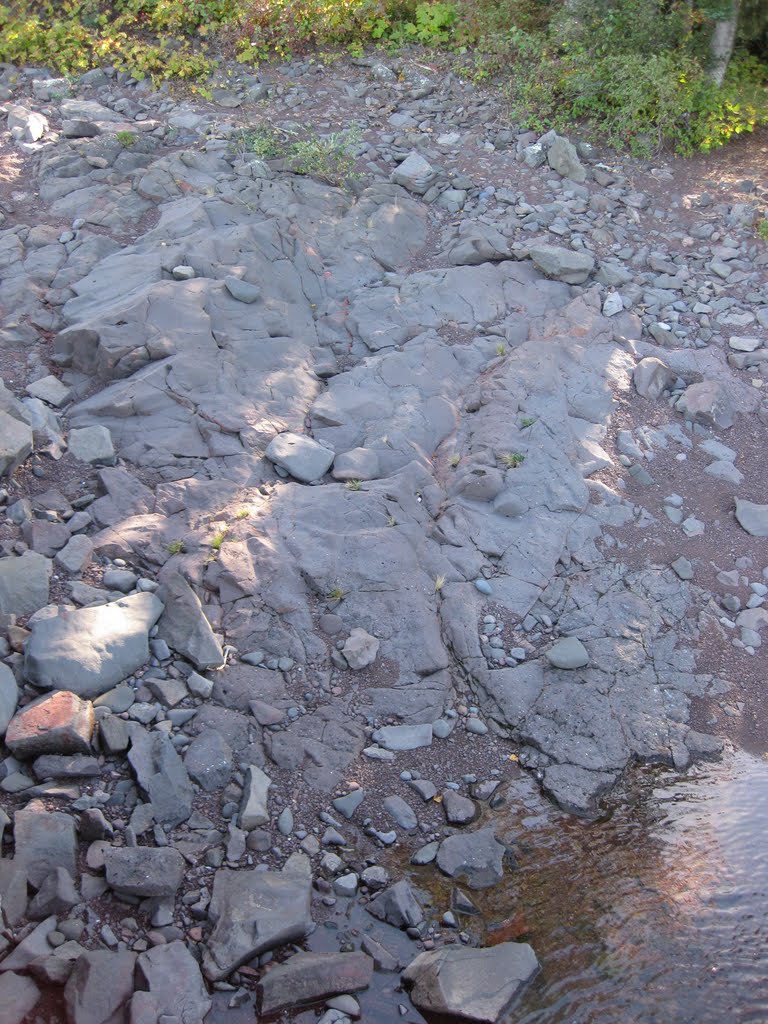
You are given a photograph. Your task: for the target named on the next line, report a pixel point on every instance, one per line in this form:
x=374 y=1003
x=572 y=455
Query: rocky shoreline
x=326 y=511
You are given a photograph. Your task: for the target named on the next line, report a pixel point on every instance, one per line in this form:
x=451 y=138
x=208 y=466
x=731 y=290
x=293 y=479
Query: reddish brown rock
x=59 y=724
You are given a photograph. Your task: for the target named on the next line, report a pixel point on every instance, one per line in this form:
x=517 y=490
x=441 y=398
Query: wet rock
x=477 y=856
x=752 y=517
x=471 y=984
x=576 y=789
x=397 y=905
x=144 y=870
x=301 y=456
x=184 y=627
x=89 y=650
x=59 y=724
x=459 y=810
x=24 y=583
x=171 y=976
x=99 y=987
x=44 y=841
x=19 y=995
x=308 y=977
x=360 y=649
x=255 y=911
x=568 y=653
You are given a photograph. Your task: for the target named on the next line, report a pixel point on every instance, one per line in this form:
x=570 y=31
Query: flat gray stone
x=24 y=582
x=752 y=517
x=9 y=697
x=99 y=987
x=19 y=995
x=76 y=555
x=255 y=911
x=567 y=653
x=89 y=650
x=397 y=905
x=51 y=390
x=470 y=984
x=93 y=445
x=161 y=775
x=208 y=760
x=404 y=737
x=360 y=649
x=562 y=264
x=301 y=456
x=309 y=977
x=253 y=808
x=144 y=870
x=15 y=443
x=172 y=977
x=45 y=840
x=476 y=856
x=400 y=811
x=243 y=291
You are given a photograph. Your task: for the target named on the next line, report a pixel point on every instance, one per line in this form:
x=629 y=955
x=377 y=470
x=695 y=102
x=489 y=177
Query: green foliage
x=762 y=229
x=511 y=460
x=329 y=158
x=126 y=139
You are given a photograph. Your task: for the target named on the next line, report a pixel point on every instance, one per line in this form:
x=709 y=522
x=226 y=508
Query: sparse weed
x=391 y=521
x=126 y=139
x=501 y=349
x=527 y=421
x=175 y=547
x=439 y=583
x=337 y=594
x=511 y=460
x=241 y=513
x=454 y=460
x=218 y=539
x=353 y=485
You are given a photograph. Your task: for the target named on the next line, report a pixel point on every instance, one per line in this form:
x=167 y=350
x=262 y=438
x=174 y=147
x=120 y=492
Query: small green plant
x=762 y=229
x=218 y=539
x=391 y=521
x=501 y=349
x=126 y=139
x=241 y=513
x=337 y=594
x=527 y=421
x=454 y=460
x=353 y=485
x=175 y=547
x=439 y=583
x=511 y=459
x=329 y=158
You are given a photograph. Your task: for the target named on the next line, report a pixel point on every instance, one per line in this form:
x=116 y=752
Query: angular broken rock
x=563 y=158
x=18 y=997
x=397 y=905
x=144 y=870
x=56 y=895
x=473 y=984
x=15 y=443
x=89 y=650
x=652 y=377
x=360 y=649
x=184 y=627
x=404 y=737
x=301 y=456
x=253 y=911
x=478 y=856
x=9 y=696
x=307 y=977
x=171 y=975
x=708 y=403
x=752 y=518
x=576 y=789
x=44 y=841
x=59 y=724
x=161 y=774
x=99 y=987
x=562 y=264
x=253 y=808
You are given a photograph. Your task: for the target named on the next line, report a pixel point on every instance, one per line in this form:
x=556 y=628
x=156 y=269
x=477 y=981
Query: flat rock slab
x=162 y=776
x=404 y=737
x=478 y=857
x=144 y=871
x=90 y=650
x=15 y=443
x=184 y=627
x=576 y=789
x=44 y=841
x=172 y=977
x=301 y=456
x=99 y=987
x=360 y=649
x=307 y=977
x=752 y=518
x=9 y=696
x=24 y=583
x=472 y=984
x=253 y=911
x=59 y=724
x=562 y=264
x=18 y=997
x=397 y=905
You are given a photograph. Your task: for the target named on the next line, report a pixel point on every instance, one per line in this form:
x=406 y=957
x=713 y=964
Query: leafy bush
x=329 y=158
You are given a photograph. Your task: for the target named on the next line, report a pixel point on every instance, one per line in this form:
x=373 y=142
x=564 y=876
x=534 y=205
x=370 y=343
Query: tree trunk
x=721 y=46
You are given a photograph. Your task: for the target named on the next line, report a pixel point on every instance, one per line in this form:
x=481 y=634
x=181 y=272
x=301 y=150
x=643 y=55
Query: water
x=656 y=913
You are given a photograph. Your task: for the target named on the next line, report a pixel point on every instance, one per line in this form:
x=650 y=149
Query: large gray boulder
x=24 y=583
x=184 y=627
x=45 y=840
x=472 y=984
x=253 y=911
x=563 y=158
x=90 y=650
x=562 y=264
x=301 y=456
x=99 y=987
